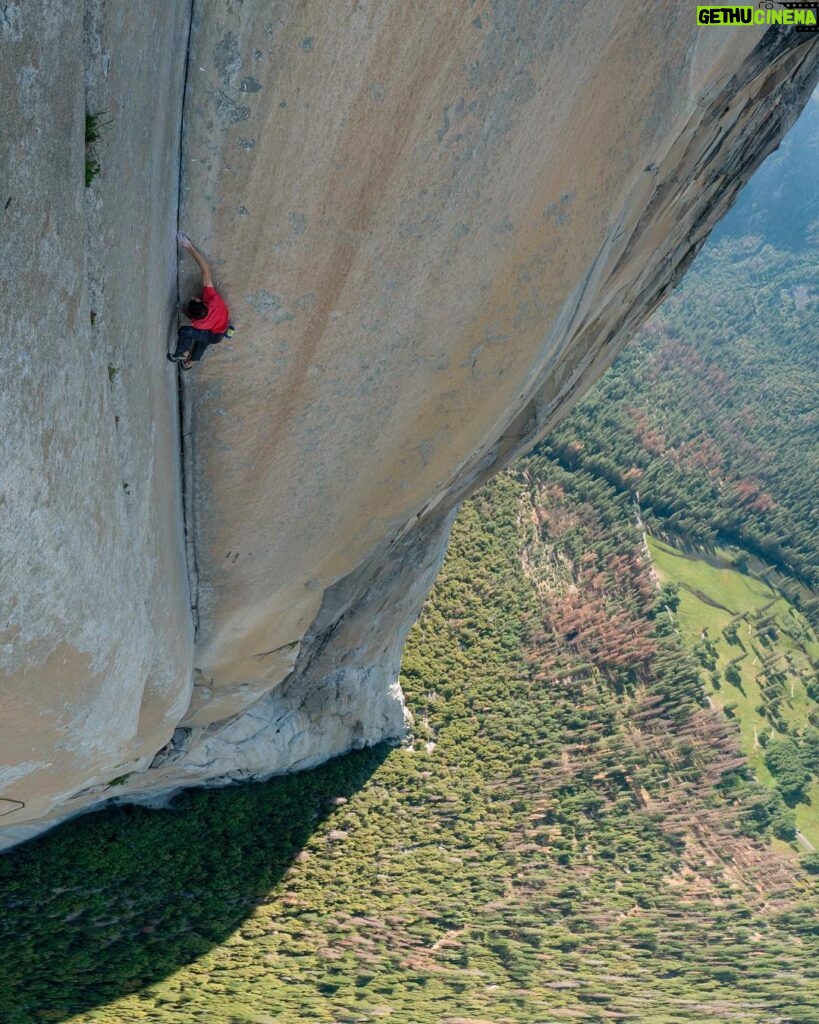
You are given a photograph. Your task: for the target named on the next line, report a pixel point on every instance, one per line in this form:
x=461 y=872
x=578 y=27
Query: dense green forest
x=572 y=834
x=711 y=416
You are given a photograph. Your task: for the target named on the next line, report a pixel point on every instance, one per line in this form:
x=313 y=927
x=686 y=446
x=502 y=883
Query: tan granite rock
x=435 y=224
x=95 y=634
x=434 y=232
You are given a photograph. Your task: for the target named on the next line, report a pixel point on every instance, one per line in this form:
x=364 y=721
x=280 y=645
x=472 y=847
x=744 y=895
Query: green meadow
x=759 y=657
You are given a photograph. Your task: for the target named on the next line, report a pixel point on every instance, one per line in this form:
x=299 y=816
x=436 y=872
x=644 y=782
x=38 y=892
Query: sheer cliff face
x=95 y=631
x=435 y=228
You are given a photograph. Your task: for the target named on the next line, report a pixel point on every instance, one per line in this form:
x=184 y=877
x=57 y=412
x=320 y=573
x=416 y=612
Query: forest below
x=571 y=835
x=710 y=417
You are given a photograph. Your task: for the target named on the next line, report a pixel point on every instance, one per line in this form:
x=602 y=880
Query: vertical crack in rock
x=95 y=95
x=185 y=406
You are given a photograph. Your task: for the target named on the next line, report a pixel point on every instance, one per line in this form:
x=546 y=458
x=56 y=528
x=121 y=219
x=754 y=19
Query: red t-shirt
x=217 y=317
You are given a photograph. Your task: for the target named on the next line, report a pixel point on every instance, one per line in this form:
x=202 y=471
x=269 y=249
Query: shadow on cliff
x=115 y=901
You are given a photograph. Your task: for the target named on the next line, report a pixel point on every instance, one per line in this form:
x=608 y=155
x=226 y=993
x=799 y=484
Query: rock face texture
x=435 y=226
x=96 y=642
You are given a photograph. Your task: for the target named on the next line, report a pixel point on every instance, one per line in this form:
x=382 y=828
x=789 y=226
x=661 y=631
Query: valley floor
x=570 y=835
x=735 y=620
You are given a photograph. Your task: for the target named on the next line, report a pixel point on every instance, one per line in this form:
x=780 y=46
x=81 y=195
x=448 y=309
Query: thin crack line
x=184 y=405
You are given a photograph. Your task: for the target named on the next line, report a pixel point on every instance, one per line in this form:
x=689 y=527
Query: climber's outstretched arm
x=207 y=276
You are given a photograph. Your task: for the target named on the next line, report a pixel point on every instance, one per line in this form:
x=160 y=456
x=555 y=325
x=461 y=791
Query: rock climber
x=208 y=315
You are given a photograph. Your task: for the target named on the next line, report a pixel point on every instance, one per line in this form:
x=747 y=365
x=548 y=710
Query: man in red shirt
x=208 y=315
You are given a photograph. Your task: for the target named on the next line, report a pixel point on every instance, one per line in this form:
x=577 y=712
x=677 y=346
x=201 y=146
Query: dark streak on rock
x=275 y=650
x=185 y=408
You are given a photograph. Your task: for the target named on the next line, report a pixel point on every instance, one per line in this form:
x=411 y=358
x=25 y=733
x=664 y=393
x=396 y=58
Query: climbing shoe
x=231 y=330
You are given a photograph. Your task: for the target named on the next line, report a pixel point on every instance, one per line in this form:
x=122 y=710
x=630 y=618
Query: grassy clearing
x=774 y=657
x=720 y=585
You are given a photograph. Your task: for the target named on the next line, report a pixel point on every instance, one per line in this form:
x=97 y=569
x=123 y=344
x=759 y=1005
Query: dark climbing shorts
x=195 y=341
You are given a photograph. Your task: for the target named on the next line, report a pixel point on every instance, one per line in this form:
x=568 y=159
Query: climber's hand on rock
x=183 y=240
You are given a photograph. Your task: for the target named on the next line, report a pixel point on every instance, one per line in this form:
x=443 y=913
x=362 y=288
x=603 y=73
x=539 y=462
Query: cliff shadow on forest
x=116 y=901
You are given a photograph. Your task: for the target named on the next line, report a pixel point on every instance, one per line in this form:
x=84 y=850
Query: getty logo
x=804 y=17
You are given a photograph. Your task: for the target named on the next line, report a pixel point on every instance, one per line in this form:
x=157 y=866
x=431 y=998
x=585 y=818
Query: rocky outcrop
x=434 y=233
